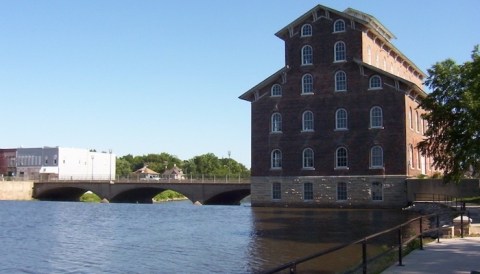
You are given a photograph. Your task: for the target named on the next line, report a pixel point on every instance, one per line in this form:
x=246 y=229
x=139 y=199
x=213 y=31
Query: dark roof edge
x=264 y=83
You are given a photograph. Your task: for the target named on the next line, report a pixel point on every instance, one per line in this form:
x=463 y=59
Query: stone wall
x=359 y=191
x=425 y=187
x=16 y=190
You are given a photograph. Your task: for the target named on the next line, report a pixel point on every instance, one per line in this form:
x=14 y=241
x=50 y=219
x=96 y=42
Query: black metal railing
x=402 y=240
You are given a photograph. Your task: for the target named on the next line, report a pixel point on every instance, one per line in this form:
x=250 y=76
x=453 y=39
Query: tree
x=453 y=116
x=123 y=167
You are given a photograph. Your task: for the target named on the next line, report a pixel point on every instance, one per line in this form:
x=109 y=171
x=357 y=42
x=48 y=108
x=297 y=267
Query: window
x=340 y=81
x=376 y=157
x=375 y=82
x=341 y=191
x=417 y=121
x=377 y=191
x=339 y=26
x=276 y=90
x=276 y=191
x=308 y=158
x=276 y=159
x=307 y=55
x=340 y=52
x=306 y=30
x=410 y=156
x=341 y=119
x=276 y=122
x=307 y=84
x=419 y=157
x=341 y=158
x=410 y=117
x=307 y=191
x=307 y=121
x=376 y=117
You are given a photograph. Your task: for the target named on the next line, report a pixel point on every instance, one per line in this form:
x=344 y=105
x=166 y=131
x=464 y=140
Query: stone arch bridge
x=207 y=193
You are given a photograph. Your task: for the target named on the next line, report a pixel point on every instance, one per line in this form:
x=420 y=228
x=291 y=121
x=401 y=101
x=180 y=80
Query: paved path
x=457 y=255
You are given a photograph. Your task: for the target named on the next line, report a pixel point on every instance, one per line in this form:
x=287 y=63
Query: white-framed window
x=341 y=119
x=342 y=193
x=306 y=30
x=307 y=55
x=308 y=156
x=419 y=157
x=307 y=191
x=307 y=121
x=376 y=117
x=410 y=118
x=340 y=81
x=375 y=82
x=376 y=157
x=307 y=84
x=377 y=191
x=276 y=191
x=340 y=52
x=276 y=159
x=341 y=158
x=417 y=121
x=339 y=26
x=276 y=90
x=276 y=122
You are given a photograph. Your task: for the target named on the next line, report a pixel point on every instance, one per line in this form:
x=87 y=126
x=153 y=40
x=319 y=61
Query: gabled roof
x=174 y=170
x=145 y=170
x=272 y=78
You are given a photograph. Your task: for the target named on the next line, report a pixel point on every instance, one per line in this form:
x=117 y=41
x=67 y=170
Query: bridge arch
x=64 y=194
x=142 y=195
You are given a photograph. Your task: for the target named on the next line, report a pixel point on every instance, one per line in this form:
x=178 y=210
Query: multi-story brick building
x=339 y=124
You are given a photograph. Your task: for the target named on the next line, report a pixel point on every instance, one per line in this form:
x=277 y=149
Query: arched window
x=376 y=157
x=341 y=119
x=417 y=121
x=410 y=118
x=307 y=121
x=339 y=26
x=276 y=90
x=308 y=158
x=307 y=191
x=375 y=82
x=307 y=84
x=410 y=156
x=306 y=30
x=307 y=55
x=340 y=52
x=377 y=191
x=276 y=159
x=276 y=191
x=376 y=117
x=341 y=191
x=341 y=158
x=276 y=122
x=340 y=81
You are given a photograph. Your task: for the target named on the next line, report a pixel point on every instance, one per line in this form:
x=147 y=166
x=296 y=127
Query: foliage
x=206 y=164
x=90 y=197
x=168 y=195
x=453 y=115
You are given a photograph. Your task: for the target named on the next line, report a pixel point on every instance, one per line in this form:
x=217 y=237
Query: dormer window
x=339 y=26
x=276 y=90
x=306 y=30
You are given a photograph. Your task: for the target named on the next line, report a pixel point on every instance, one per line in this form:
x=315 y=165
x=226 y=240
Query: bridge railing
x=141 y=178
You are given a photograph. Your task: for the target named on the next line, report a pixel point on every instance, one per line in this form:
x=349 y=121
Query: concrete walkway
x=457 y=255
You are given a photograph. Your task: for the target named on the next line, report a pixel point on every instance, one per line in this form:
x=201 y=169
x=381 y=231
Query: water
x=174 y=237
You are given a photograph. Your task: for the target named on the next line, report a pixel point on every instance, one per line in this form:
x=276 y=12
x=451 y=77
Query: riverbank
x=16 y=190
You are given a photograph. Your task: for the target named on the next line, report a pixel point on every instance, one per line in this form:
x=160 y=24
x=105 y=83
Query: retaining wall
x=16 y=190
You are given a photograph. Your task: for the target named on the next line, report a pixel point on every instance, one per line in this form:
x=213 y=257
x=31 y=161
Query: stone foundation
x=359 y=192
x=16 y=190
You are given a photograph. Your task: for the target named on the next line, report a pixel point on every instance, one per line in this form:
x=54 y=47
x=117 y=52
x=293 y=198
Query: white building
x=63 y=163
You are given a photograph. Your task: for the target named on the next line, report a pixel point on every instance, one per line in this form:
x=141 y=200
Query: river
x=172 y=237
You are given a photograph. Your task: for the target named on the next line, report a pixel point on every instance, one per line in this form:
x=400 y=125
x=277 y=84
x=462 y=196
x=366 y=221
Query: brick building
x=339 y=124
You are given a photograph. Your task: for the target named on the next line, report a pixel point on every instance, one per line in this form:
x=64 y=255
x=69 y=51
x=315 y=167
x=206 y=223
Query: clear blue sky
x=145 y=77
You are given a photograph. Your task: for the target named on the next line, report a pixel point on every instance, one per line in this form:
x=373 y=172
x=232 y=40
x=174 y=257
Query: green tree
x=453 y=116
x=123 y=167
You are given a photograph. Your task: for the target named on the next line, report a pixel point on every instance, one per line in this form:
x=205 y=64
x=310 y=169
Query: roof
x=414 y=87
x=272 y=78
x=145 y=170
x=174 y=170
